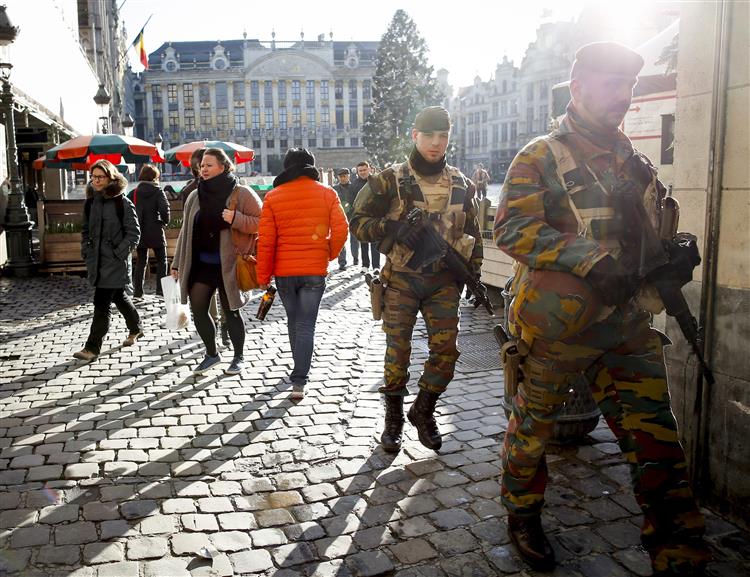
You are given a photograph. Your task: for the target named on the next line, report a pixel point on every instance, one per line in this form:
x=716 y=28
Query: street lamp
x=102 y=99
x=127 y=124
x=17 y=225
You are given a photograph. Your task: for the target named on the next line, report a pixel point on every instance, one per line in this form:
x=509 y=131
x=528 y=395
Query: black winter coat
x=152 y=208
x=105 y=243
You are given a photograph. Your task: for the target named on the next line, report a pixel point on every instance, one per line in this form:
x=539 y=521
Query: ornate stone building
x=269 y=96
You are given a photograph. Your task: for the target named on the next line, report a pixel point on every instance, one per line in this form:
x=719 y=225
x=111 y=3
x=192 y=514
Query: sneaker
x=235 y=367
x=298 y=391
x=132 y=337
x=206 y=364
x=85 y=355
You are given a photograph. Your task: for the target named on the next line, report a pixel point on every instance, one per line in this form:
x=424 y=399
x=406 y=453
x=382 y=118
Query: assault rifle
x=438 y=248
x=656 y=252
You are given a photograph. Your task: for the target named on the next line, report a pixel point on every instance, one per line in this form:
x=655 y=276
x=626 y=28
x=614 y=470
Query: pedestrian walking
x=152 y=208
x=481 y=179
x=578 y=309
x=205 y=257
x=369 y=249
x=347 y=194
x=109 y=233
x=302 y=229
x=427 y=182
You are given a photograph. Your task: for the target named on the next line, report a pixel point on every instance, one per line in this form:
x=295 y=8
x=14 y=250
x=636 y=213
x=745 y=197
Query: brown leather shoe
x=132 y=337
x=85 y=355
x=531 y=542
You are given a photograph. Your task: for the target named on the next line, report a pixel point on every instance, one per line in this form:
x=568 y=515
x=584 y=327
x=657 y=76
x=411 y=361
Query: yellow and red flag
x=140 y=48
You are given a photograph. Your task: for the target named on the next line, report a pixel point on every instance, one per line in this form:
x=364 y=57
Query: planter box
x=171 y=234
x=62 y=252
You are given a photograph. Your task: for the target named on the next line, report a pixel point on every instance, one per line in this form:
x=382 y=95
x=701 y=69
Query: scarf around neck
x=294 y=172
x=420 y=164
x=212 y=198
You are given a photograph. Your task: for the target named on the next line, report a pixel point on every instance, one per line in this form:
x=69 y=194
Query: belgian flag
x=140 y=48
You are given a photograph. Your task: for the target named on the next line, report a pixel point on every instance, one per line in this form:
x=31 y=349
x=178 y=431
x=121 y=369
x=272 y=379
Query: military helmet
x=552 y=305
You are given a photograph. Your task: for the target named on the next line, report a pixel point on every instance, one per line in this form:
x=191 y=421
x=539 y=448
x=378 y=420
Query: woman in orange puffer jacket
x=302 y=228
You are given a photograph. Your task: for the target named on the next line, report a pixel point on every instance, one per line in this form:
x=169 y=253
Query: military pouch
x=377 y=290
x=511 y=359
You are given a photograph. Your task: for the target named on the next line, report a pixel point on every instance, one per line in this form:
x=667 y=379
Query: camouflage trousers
x=622 y=357
x=436 y=296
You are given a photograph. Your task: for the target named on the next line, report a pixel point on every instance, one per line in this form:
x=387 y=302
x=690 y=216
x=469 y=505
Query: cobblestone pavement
x=132 y=467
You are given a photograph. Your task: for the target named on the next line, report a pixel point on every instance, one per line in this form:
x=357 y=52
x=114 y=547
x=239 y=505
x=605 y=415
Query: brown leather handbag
x=247 y=277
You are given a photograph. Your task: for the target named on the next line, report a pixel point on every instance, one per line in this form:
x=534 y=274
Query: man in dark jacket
x=152 y=208
x=368 y=248
x=346 y=193
x=109 y=233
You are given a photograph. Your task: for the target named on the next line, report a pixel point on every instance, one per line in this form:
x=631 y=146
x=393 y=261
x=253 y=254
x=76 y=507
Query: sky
x=467 y=42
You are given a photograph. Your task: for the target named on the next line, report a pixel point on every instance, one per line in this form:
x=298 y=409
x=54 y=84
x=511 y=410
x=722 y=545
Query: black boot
x=394 y=423
x=421 y=415
x=531 y=542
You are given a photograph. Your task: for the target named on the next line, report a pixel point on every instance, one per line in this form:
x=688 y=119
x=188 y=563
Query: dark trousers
x=369 y=248
x=160 y=253
x=103 y=299
x=354 y=246
x=301 y=296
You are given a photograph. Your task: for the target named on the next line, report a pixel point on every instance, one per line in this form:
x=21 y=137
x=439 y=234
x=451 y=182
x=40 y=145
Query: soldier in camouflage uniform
x=446 y=197
x=578 y=310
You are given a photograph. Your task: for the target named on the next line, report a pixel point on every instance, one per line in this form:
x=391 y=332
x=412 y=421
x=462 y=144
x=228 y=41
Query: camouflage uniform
x=556 y=214
x=433 y=291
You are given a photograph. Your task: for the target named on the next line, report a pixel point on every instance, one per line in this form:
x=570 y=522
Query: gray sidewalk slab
x=132 y=466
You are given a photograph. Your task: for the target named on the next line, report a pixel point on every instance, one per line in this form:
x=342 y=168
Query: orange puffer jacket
x=302 y=227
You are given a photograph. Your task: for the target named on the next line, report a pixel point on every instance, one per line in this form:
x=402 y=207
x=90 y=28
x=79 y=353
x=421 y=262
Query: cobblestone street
x=132 y=467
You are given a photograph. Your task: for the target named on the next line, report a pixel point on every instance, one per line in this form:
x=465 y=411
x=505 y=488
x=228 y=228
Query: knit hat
x=433 y=119
x=298 y=157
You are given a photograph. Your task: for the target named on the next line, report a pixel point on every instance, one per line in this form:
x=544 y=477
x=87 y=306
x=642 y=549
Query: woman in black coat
x=152 y=208
x=110 y=232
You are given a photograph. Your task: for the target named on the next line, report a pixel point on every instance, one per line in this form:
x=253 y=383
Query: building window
x=529 y=120
x=254 y=90
x=366 y=110
x=513 y=130
x=505 y=86
x=494 y=109
x=296 y=116
x=296 y=90
x=205 y=118
x=354 y=141
x=326 y=143
x=221 y=95
x=513 y=107
x=484 y=116
x=325 y=118
x=311 y=118
x=204 y=93
x=239 y=118
x=255 y=117
x=190 y=120
x=667 y=138
x=543 y=90
x=543 y=121
x=282 y=90
x=187 y=95
x=283 y=144
x=339 y=90
x=269 y=117
x=174 y=121
x=484 y=137
x=298 y=142
x=158 y=121
x=171 y=94
x=312 y=142
x=310 y=93
x=268 y=92
x=353 y=120
x=340 y=142
x=504 y=108
x=270 y=143
x=494 y=134
x=324 y=90
x=238 y=91
x=505 y=132
x=530 y=91
x=353 y=90
x=339 y=116
x=282 y=118
x=222 y=119
x=366 y=90
x=156 y=95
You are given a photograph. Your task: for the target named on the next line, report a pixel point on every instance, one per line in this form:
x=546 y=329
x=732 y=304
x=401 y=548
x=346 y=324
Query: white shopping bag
x=178 y=314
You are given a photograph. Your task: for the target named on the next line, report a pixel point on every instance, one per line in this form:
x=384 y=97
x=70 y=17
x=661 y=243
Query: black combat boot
x=531 y=542
x=421 y=415
x=394 y=423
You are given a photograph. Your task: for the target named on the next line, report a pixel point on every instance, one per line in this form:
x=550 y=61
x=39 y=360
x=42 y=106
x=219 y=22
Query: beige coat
x=246 y=220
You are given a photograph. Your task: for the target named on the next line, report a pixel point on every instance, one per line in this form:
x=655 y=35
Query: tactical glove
x=403 y=232
x=613 y=283
x=683 y=258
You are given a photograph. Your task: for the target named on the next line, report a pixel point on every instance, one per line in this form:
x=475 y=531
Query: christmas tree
x=403 y=84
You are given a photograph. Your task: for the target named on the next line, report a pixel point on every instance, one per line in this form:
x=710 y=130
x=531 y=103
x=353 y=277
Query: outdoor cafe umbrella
x=77 y=164
x=182 y=153
x=116 y=148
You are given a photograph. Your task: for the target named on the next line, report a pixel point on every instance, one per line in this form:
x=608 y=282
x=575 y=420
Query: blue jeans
x=301 y=296
x=354 y=245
